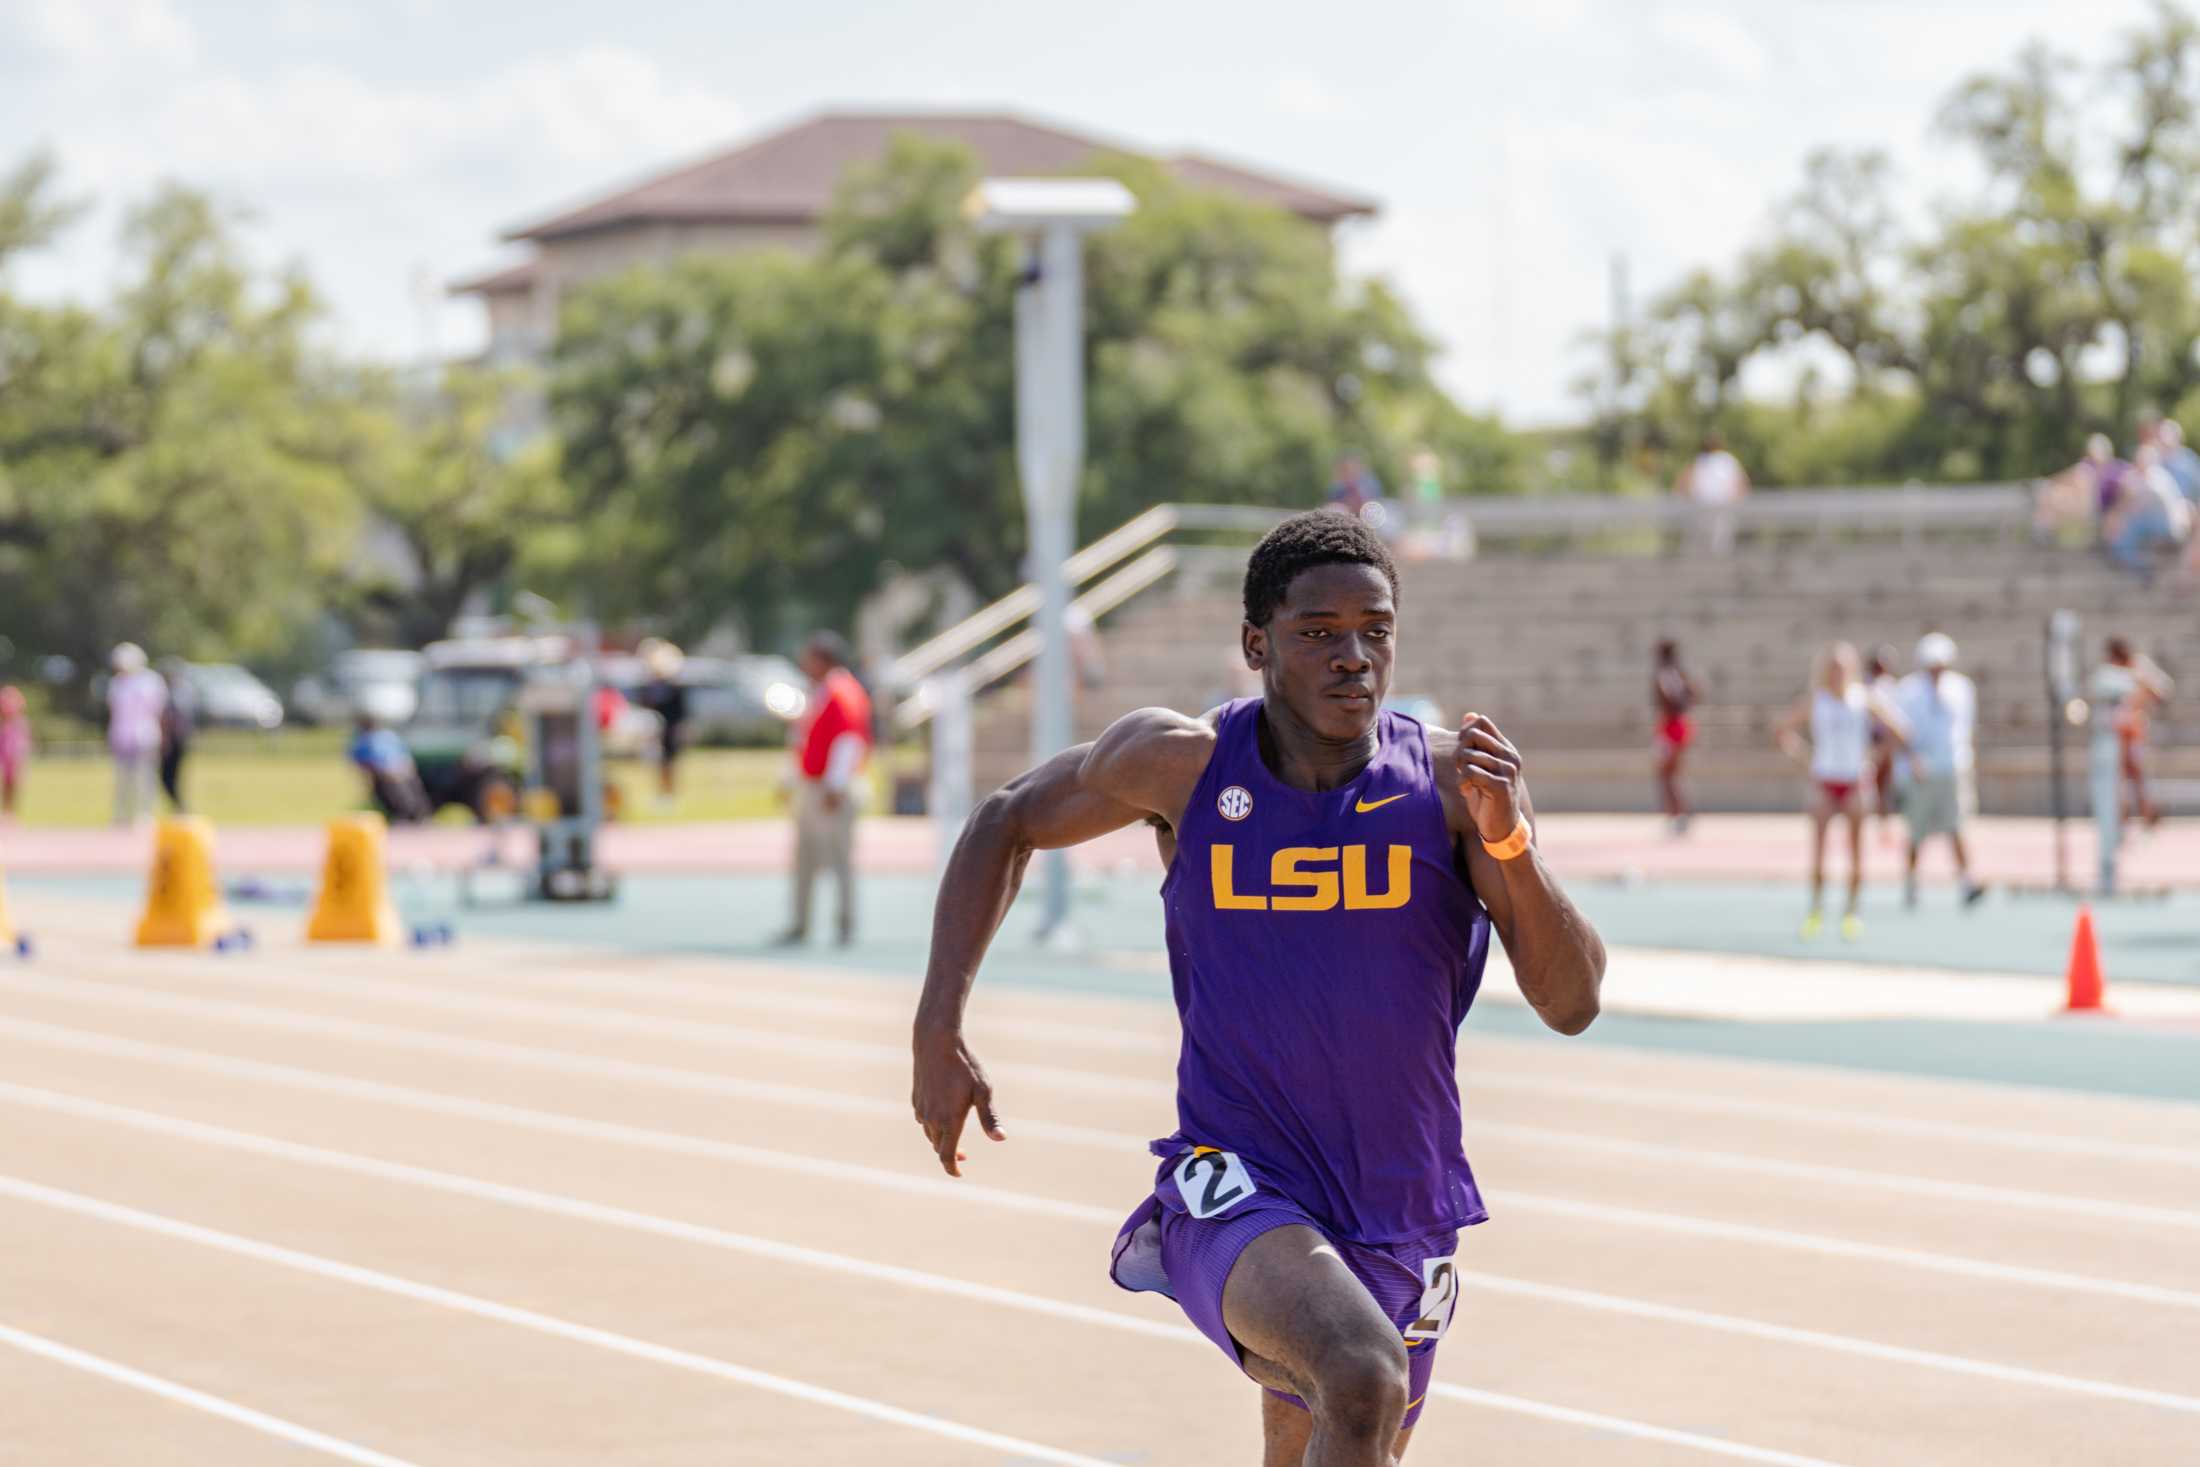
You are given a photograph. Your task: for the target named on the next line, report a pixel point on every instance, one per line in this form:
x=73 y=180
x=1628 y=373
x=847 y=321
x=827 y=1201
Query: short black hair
x=831 y=646
x=1318 y=537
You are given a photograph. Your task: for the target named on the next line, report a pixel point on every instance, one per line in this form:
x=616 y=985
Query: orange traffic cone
x=2085 y=967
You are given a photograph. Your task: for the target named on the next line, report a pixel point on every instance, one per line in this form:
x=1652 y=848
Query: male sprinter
x=1334 y=872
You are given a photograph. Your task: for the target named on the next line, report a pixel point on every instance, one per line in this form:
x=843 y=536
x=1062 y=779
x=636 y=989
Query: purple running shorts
x=1207 y=1205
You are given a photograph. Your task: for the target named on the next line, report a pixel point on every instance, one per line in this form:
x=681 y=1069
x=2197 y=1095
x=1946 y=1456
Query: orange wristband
x=1512 y=845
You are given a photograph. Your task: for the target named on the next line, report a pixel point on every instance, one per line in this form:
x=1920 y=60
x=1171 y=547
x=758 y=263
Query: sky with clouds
x=1517 y=149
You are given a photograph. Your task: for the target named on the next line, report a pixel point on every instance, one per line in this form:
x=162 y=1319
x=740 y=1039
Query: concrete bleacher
x=1557 y=647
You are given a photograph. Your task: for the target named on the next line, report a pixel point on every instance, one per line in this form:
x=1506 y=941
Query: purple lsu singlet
x=1325 y=947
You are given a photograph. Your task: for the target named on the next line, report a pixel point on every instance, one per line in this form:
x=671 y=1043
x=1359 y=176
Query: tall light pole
x=1052 y=215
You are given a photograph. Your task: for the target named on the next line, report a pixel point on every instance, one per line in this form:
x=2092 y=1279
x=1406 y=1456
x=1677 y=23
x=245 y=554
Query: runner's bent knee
x=1359 y=1388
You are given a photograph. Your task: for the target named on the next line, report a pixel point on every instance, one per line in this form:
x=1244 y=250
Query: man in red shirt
x=831 y=745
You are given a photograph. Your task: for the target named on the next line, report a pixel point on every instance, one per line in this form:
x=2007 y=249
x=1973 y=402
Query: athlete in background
x=1841 y=713
x=2126 y=689
x=1334 y=872
x=1672 y=694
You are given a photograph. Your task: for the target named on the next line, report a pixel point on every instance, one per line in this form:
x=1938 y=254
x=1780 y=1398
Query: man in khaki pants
x=831 y=744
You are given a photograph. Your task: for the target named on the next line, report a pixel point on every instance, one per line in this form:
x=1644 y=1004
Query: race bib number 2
x=1438 y=1299
x=1212 y=1182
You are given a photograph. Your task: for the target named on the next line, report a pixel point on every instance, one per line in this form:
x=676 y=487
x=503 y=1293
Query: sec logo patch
x=1235 y=803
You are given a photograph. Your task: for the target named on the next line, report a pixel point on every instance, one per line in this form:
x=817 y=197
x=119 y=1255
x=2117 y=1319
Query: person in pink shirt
x=15 y=747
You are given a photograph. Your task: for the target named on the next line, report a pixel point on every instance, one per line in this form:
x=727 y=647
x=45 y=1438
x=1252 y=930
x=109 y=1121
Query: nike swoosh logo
x=1361 y=807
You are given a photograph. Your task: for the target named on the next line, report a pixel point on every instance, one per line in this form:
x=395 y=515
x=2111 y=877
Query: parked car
x=380 y=682
x=743 y=700
x=465 y=737
x=224 y=695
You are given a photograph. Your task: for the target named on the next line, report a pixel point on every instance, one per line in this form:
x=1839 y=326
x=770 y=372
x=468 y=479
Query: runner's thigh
x=1299 y=1313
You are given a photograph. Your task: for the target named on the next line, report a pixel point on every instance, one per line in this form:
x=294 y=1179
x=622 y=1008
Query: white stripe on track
x=1830 y=1118
x=554 y=1123
x=565 y=1062
x=1716 y=1446
x=896 y=1007
x=555 y=1061
x=197 y=1400
x=1605 y=1213
x=1090 y=1082
x=665 y=1141
x=788 y=1253
x=26 y=1190
x=1843 y=1176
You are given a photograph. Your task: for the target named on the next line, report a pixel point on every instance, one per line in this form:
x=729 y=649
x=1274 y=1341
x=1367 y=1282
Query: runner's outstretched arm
x=1142 y=768
x=1557 y=957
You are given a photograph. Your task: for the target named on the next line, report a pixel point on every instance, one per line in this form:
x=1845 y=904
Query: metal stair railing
x=981 y=626
x=1006 y=658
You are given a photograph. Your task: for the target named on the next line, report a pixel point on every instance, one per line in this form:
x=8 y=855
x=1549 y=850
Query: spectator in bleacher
x=2127 y=687
x=2178 y=458
x=1880 y=679
x=2082 y=494
x=1672 y=694
x=1717 y=483
x=1842 y=715
x=1939 y=709
x=1353 y=486
x=1354 y=490
x=2151 y=516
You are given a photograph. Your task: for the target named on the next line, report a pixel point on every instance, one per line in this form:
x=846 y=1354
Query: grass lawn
x=244 y=782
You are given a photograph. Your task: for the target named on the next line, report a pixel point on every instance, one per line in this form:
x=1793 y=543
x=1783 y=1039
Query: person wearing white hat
x=136 y=698
x=1940 y=706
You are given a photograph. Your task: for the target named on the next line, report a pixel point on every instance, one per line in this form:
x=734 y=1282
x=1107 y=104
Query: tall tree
x=768 y=432
x=159 y=462
x=455 y=497
x=2056 y=303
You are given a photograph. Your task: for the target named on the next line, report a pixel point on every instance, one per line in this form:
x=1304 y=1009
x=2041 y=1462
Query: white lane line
x=1082 y=1212
x=457 y=1184
x=565 y=1062
x=825 y=1167
x=1839 y=1344
x=1843 y=1176
x=883 y=1008
x=553 y=1061
x=26 y=1190
x=1833 y=1118
x=1473 y=1076
x=597 y=1019
x=896 y=1007
x=788 y=1253
x=197 y=1400
x=1604 y=1213
x=1716 y=1446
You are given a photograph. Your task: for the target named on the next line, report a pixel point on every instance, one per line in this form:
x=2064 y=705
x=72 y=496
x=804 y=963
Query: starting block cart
x=563 y=800
x=564 y=797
